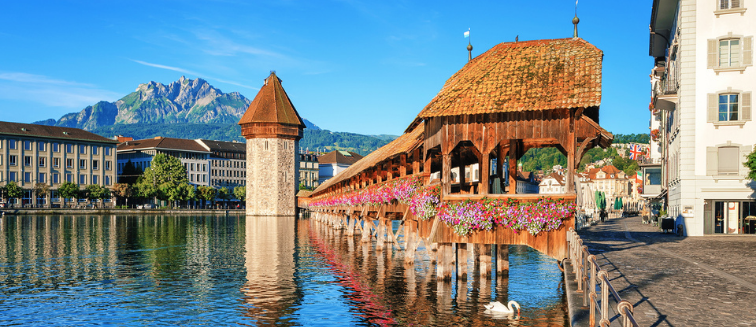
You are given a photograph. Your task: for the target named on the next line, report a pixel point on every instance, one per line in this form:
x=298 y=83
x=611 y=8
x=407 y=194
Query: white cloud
x=52 y=92
x=189 y=72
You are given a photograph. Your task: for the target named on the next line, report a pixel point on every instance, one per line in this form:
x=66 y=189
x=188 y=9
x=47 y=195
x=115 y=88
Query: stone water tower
x=273 y=129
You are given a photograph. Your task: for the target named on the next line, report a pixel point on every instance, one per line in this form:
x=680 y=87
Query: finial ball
x=469 y=47
x=576 y=20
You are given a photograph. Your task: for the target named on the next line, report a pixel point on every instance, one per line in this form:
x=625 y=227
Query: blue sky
x=355 y=66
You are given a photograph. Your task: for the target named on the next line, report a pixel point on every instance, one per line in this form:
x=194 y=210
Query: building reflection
x=270 y=290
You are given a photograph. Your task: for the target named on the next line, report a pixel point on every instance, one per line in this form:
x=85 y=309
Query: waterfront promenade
x=677 y=281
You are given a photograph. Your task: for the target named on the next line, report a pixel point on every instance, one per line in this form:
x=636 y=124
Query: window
x=27 y=161
x=69 y=163
x=107 y=164
x=94 y=150
x=12 y=160
x=82 y=179
x=41 y=146
x=729 y=4
x=95 y=165
x=82 y=149
x=107 y=179
x=94 y=179
x=27 y=145
x=69 y=178
x=56 y=162
x=730 y=107
x=107 y=150
x=12 y=176
x=69 y=148
x=55 y=178
x=41 y=178
x=728 y=160
x=730 y=53
x=82 y=164
x=42 y=161
x=12 y=144
x=56 y=147
x=27 y=177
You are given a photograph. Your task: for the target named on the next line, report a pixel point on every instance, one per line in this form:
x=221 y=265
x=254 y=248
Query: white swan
x=501 y=308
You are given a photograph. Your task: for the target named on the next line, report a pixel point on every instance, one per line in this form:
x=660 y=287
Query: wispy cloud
x=51 y=92
x=189 y=72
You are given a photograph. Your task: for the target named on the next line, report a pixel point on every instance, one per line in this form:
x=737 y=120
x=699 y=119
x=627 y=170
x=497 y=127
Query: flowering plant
x=464 y=217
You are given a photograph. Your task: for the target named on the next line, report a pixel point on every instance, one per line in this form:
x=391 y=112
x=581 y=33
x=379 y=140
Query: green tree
x=96 y=192
x=130 y=173
x=751 y=165
x=207 y=193
x=162 y=178
x=122 y=190
x=224 y=194
x=13 y=191
x=240 y=192
x=68 y=190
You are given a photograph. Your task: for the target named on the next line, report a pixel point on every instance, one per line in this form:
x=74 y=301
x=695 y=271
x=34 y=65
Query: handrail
x=588 y=274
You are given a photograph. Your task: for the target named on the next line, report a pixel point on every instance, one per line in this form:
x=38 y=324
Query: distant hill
x=194 y=109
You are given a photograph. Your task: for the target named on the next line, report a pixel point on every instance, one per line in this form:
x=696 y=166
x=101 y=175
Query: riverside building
x=702 y=84
x=193 y=155
x=228 y=163
x=49 y=155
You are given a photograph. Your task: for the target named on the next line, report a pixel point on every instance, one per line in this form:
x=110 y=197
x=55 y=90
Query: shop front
x=730 y=217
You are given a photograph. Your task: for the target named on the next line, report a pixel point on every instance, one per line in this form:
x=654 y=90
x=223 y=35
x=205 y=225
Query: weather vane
x=469 y=46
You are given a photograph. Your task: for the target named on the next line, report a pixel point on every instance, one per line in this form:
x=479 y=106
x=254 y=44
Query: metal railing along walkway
x=588 y=274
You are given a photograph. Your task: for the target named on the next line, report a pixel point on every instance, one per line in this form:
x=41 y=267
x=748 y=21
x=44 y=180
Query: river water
x=215 y=270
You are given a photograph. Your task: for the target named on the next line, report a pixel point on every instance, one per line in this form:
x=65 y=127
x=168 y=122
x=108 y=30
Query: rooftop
x=339 y=157
x=53 y=132
x=272 y=105
x=522 y=76
x=160 y=142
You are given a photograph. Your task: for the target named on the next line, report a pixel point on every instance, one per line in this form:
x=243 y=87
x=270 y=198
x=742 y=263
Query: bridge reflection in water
x=181 y=270
x=304 y=272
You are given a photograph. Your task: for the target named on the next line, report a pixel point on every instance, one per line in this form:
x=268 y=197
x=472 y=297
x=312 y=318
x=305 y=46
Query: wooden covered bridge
x=450 y=179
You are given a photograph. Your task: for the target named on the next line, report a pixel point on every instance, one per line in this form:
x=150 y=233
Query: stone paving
x=677 y=281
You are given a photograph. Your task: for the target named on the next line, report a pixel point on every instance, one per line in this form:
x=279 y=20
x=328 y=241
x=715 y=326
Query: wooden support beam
x=462 y=257
x=571 y=154
x=514 y=150
x=500 y=165
x=402 y=165
x=410 y=243
x=380 y=232
x=485 y=261
x=502 y=260
x=446 y=174
x=485 y=162
x=366 y=230
x=416 y=161
x=444 y=265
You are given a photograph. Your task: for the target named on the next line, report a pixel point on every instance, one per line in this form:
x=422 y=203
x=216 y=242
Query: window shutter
x=713 y=108
x=711 y=161
x=745 y=106
x=712 y=54
x=734 y=4
x=748 y=51
x=744 y=152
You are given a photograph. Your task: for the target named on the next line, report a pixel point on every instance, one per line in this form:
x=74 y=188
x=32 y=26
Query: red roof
x=520 y=76
x=609 y=170
x=339 y=157
x=272 y=105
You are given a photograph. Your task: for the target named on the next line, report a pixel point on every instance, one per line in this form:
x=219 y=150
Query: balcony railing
x=668 y=85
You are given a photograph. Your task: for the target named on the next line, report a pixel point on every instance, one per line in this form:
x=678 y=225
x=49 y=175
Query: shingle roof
x=520 y=76
x=338 y=157
x=32 y=130
x=225 y=146
x=403 y=144
x=557 y=177
x=609 y=170
x=272 y=105
x=163 y=143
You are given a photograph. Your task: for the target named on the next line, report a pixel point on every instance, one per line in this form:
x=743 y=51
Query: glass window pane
x=722 y=98
x=734 y=111
x=733 y=98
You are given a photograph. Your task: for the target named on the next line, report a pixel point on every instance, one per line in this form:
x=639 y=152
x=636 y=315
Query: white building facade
x=703 y=56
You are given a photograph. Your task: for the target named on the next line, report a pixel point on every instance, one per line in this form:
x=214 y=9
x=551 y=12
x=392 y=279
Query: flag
x=635 y=151
x=638 y=178
x=467 y=34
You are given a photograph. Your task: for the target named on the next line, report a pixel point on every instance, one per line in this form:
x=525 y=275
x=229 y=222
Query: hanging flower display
x=463 y=217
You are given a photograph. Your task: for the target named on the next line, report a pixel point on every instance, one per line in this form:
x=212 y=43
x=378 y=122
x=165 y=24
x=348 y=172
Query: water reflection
x=168 y=270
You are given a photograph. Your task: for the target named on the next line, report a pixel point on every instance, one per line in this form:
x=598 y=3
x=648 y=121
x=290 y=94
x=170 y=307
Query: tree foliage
x=130 y=173
x=41 y=189
x=13 y=191
x=68 y=190
x=631 y=138
x=751 y=165
x=162 y=178
x=240 y=192
x=206 y=193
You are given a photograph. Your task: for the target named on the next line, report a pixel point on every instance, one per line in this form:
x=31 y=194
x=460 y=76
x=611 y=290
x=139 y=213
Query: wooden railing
x=589 y=274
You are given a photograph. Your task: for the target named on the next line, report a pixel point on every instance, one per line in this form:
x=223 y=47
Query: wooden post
x=427 y=166
x=444 y=266
x=571 y=154
x=366 y=230
x=416 y=161
x=500 y=165
x=502 y=260
x=410 y=243
x=514 y=151
x=402 y=165
x=380 y=231
x=446 y=174
x=485 y=261
x=462 y=261
x=484 y=168
x=458 y=158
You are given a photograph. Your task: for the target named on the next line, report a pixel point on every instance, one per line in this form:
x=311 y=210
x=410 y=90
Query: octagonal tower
x=273 y=129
